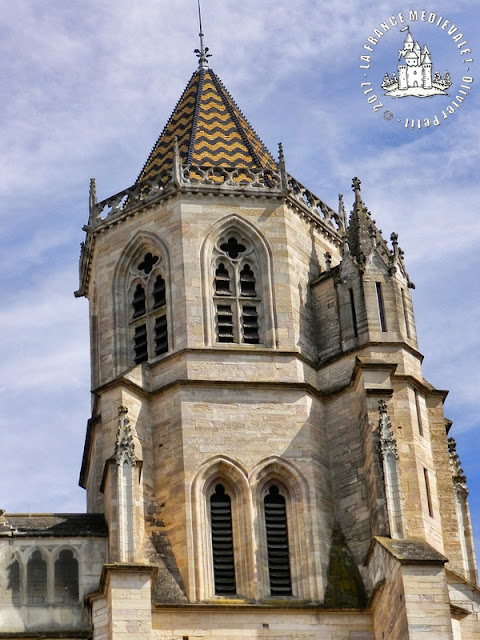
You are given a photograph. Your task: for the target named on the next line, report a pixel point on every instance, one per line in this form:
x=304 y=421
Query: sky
x=87 y=87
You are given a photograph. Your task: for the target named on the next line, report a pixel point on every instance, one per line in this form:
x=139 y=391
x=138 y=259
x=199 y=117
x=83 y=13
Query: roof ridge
x=225 y=92
x=210 y=128
x=150 y=155
x=193 y=135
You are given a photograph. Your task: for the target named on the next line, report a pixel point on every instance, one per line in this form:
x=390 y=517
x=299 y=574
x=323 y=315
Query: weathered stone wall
x=249 y=415
x=38 y=606
x=235 y=623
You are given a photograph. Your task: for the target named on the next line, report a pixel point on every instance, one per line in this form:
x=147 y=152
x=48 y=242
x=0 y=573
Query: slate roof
x=210 y=129
x=53 y=525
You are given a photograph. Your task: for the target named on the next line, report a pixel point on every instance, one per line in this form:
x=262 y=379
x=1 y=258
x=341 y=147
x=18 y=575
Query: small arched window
x=148 y=318
x=222 y=542
x=236 y=298
x=66 y=577
x=277 y=543
x=13 y=580
x=36 y=579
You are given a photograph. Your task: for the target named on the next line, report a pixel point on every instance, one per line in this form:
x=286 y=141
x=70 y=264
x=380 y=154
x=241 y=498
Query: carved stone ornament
x=388 y=444
x=458 y=477
x=124 y=446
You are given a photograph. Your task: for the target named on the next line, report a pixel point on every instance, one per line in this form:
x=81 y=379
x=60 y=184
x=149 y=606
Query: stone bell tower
x=268 y=456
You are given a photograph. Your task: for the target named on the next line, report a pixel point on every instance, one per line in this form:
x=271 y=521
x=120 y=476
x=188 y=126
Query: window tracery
x=44 y=577
x=237 y=300
x=148 y=317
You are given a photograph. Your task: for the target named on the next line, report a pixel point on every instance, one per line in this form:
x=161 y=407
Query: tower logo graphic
x=439 y=65
x=415 y=77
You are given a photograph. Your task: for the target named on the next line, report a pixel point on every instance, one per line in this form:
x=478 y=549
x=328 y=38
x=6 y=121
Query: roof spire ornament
x=202 y=53
x=282 y=168
x=341 y=211
x=356 y=189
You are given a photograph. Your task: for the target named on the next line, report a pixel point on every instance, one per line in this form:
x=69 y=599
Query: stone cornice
x=203 y=181
x=119 y=567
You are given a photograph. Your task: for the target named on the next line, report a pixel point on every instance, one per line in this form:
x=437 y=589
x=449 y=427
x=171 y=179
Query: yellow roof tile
x=210 y=129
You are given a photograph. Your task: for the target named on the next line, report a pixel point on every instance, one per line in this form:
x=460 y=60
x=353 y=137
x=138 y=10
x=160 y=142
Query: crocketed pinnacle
x=210 y=130
x=362 y=230
x=359 y=227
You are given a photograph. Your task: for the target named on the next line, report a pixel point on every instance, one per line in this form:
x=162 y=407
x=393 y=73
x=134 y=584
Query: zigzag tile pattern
x=210 y=129
x=180 y=126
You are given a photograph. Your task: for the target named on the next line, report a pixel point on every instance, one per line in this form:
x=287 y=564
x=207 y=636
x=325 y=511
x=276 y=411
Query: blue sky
x=88 y=86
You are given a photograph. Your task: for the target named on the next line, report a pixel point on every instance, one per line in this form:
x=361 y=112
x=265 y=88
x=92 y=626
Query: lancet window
x=36 y=579
x=222 y=542
x=148 y=317
x=14 y=580
x=236 y=292
x=277 y=543
x=66 y=577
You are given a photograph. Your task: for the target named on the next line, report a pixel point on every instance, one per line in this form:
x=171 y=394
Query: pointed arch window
x=36 y=579
x=222 y=542
x=66 y=577
x=14 y=580
x=277 y=543
x=148 y=318
x=236 y=293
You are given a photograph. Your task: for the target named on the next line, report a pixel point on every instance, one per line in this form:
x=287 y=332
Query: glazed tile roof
x=210 y=129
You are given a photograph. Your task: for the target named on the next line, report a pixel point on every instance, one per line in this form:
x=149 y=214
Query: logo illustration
x=415 y=73
x=442 y=70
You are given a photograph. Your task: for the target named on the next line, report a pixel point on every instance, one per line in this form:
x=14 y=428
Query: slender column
x=388 y=450
x=125 y=459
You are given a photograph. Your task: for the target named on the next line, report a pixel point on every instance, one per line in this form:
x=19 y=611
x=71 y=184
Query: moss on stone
x=344 y=582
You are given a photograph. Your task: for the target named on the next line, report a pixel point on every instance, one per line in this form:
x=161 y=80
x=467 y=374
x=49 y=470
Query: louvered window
x=140 y=343
x=159 y=293
x=277 y=543
x=250 y=324
x=225 y=323
x=247 y=282
x=234 y=280
x=138 y=302
x=149 y=324
x=161 y=335
x=222 y=542
x=222 y=281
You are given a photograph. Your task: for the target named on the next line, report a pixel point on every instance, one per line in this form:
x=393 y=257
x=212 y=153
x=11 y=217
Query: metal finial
x=202 y=53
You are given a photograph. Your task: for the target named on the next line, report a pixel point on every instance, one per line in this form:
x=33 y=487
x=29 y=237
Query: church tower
x=268 y=457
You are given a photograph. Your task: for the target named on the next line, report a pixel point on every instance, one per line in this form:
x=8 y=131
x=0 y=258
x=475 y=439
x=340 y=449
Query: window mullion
x=238 y=306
